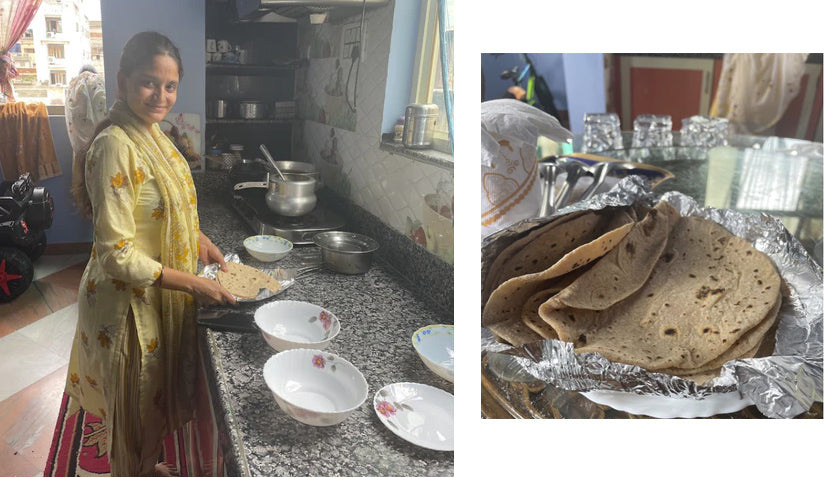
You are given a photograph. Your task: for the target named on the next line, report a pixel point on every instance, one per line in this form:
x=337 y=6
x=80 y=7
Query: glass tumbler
x=601 y=132
x=704 y=131
x=652 y=131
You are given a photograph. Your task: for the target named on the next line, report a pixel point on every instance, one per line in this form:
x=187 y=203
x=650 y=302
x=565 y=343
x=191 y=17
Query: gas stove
x=298 y=230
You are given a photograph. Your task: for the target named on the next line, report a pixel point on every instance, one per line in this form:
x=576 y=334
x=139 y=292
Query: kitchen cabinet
x=679 y=87
x=268 y=75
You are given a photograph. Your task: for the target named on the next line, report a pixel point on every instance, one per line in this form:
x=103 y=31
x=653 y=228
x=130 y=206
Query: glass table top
x=782 y=177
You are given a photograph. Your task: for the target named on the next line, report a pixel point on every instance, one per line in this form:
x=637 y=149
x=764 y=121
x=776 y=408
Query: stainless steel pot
x=251 y=109
x=292 y=196
x=346 y=252
x=299 y=169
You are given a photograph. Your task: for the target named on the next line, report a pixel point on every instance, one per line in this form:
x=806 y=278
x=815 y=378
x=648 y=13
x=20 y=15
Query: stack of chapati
x=244 y=282
x=672 y=294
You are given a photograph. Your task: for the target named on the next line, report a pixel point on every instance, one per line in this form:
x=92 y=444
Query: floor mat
x=79 y=447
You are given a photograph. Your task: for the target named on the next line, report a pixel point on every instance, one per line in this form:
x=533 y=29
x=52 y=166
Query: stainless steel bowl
x=346 y=252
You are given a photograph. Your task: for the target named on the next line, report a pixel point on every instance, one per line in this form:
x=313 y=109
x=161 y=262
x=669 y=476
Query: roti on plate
x=706 y=292
x=507 y=301
x=244 y=282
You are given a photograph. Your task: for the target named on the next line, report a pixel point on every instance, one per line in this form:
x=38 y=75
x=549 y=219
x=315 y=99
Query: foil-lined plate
x=285 y=277
x=783 y=385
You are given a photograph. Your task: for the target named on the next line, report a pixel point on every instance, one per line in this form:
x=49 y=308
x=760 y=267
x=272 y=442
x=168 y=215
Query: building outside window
x=56 y=51
x=58 y=77
x=48 y=56
x=53 y=25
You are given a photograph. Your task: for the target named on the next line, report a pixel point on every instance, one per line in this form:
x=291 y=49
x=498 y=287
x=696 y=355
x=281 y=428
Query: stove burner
x=251 y=205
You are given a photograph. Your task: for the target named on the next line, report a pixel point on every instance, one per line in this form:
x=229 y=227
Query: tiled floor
x=36 y=332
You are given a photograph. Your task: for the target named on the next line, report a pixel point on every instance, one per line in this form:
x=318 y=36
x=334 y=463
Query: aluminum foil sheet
x=285 y=277
x=783 y=385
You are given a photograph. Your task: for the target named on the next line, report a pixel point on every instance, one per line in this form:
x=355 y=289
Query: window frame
x=425 y=65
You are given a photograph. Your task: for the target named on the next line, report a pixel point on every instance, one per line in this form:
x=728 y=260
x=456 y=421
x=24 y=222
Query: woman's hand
x=210 y=292
x=205 y=291
x=209 y=252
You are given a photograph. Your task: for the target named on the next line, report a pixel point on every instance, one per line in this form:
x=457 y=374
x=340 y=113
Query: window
x=58 y=77
x=48 y=59
x=53 y=25
x=56 y=51
x=428 y=85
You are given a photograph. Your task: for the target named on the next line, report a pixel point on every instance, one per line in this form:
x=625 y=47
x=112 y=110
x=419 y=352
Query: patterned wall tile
x=388 y=186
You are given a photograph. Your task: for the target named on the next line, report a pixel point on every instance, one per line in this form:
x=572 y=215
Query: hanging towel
x=755 y=89
x=26 y=144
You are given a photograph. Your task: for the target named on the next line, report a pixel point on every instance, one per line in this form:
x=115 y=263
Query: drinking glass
x=704 y=131
x=601 y=131
x=652 y=131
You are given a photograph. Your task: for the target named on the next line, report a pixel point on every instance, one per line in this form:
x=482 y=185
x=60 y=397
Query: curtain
x=755 y=89
x=15 y=17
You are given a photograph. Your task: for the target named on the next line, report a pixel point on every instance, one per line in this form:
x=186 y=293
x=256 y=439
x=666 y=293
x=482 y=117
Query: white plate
x=667 y=407
x=418 y=413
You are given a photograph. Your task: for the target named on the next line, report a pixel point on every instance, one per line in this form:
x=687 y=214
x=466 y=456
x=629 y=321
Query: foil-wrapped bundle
x=782 y=385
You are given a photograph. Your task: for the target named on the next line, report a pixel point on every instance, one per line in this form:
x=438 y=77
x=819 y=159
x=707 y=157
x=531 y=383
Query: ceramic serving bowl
x=267 y=248
x=291 y=324
x=315 y=387
x=435 y=346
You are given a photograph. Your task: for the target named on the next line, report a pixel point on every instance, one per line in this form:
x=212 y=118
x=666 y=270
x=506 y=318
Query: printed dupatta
x=179 y=237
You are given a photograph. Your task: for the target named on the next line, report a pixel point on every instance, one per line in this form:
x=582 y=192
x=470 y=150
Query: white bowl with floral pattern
x=291 y=324
x=315 y=387
x=267 y=248
x=435 y=346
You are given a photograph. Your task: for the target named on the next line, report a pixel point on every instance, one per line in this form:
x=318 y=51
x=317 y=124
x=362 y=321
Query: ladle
x=270 y=158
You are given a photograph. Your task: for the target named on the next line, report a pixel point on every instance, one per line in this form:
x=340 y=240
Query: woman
x=134 y=354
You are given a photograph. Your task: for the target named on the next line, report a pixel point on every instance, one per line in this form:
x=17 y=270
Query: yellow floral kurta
x=133 y=357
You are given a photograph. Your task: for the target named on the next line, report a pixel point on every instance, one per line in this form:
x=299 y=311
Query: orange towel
x=26 y=141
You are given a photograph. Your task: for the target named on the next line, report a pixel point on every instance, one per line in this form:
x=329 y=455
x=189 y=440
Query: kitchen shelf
x=252 y=70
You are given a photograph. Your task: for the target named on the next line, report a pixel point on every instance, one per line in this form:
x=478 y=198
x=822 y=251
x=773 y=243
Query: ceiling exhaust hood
x=316 y=10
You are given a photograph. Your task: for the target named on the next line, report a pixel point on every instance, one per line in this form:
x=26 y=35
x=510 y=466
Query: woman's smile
x=152 y=91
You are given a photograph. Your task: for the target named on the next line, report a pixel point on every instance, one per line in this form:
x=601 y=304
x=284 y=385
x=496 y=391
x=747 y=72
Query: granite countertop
x=379 y=311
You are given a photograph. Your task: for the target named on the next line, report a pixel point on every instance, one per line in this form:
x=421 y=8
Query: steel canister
x=420 y=121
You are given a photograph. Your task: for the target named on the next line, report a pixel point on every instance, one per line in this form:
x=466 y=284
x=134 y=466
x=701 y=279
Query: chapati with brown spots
x=507 y=300
x=244 y=282
x=707 y=290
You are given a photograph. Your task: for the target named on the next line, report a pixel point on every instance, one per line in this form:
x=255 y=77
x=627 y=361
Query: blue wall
x=575 y=79
x=585 y=91
x=400 y=62
x=183 y=21
x=548 y=65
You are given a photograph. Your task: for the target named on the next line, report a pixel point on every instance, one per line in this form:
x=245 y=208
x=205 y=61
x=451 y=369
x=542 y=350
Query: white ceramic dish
x=435 y=346
x=267 y=248
x=292 y=324
x=667 y=407
x=418 y=413
x=315 y=387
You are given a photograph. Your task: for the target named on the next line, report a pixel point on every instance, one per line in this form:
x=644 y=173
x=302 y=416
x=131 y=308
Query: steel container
x=346 y=252
x=420 y=121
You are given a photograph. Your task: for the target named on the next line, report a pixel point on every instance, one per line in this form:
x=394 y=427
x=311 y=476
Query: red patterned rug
x=79 y=447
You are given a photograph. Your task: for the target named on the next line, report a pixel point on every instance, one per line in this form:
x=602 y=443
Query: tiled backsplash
x=391 y=187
